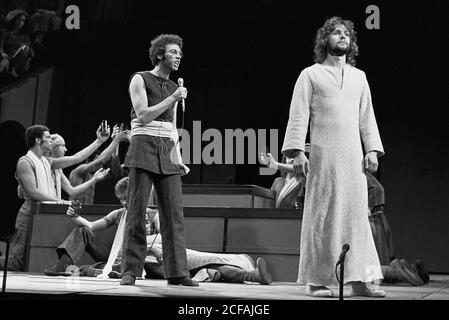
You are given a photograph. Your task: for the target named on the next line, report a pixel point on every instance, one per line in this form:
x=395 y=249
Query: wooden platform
x=229 y=195
x=273 y=234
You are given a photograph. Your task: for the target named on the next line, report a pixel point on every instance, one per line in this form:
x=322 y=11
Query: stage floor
x=29 y=284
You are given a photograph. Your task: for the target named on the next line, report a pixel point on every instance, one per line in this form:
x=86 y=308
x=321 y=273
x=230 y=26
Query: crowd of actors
x=330 y=180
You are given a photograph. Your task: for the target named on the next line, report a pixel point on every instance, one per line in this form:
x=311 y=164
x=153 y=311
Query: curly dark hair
x=34 y=132
x=12 y=17
x=159 y=43
x=322 y=35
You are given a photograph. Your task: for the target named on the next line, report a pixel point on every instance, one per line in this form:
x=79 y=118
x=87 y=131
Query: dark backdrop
x=241 y=61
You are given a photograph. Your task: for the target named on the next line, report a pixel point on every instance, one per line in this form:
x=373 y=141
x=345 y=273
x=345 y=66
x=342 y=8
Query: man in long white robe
x=336 y=98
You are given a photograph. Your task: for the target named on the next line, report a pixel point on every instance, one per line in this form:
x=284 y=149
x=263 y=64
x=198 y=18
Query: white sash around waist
x=154 y=128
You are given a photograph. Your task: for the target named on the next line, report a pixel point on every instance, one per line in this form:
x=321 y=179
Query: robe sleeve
x=369 y=132
x=298 y=121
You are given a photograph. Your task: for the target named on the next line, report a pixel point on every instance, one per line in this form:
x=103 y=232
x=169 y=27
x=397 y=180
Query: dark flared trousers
x=383 y=237
x=81 y=240
x=169 y=193
x=20 y=239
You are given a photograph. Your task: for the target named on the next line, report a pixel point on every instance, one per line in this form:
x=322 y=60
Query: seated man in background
x=83 y=237
x=289 y=188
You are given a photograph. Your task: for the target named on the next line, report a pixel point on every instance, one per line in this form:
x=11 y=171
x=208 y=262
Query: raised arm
x=268 y=160
x=27 y=180
x=74 y=191
x=111 y=149
x=96 y=164
x=82 y=155
x=139 y=100
x=116 y=168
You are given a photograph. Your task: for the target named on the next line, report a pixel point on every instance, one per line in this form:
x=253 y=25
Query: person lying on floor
x=203 y=266
x=210 y=266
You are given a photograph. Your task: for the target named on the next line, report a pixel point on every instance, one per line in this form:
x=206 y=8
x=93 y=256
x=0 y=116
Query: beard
x=337 y=51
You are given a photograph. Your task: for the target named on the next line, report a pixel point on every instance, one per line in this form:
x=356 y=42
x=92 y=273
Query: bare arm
x=268 y=160
x=78 y=175
x=83 y=169
x=74 y=191
x=99 y=224
x=112 y=148
x=139 y=100
x=27 y=180
x=82 y=155
x=116 y=168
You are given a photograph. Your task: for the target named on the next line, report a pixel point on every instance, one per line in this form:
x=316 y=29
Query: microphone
x=345 y=249
x=181 y=84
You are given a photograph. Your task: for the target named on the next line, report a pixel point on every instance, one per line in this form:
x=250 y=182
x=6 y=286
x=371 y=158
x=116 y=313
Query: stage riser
x=233 y=196
x=268 y=233
x=233 y=201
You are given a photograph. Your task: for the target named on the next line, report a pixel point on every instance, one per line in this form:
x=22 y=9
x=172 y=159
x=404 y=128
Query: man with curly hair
x=153 y=158
x=335 y=97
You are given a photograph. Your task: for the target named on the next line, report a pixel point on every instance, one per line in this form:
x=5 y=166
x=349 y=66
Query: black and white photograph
x=224 y=158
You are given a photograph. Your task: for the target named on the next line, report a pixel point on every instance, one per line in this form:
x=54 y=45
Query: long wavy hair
x=322 y=36
x=159 y=43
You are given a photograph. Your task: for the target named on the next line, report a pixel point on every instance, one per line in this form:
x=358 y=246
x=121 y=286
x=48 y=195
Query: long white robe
x=335 y=210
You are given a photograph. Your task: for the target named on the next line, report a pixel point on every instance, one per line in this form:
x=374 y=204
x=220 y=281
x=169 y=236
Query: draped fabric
x=337 y=102
x=44 y=178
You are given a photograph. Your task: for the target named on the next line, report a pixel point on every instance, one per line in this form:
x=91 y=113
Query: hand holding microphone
x=184 y=93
